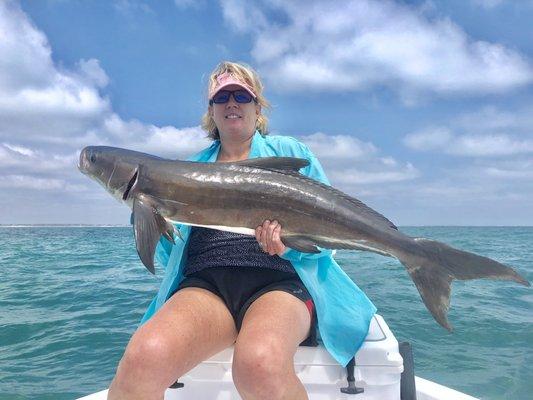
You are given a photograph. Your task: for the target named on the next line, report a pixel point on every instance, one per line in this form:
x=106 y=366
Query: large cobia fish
x=239 y=196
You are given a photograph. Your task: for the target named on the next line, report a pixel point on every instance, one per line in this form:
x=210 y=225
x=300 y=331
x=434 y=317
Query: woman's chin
x=236 y=130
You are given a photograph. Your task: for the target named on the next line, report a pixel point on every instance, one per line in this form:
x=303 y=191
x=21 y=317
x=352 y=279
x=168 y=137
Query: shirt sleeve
x=314 y=171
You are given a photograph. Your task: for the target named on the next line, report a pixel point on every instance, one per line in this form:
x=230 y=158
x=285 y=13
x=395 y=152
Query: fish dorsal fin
x=276 y=163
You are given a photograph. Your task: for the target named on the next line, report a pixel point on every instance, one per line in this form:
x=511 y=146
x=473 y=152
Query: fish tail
x=437 y=264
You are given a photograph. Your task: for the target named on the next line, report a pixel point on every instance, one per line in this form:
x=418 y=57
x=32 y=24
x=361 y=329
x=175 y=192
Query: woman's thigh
x=272 y=329
x=192 y=325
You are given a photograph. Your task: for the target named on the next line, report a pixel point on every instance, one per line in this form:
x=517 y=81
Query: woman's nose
x=231 y=102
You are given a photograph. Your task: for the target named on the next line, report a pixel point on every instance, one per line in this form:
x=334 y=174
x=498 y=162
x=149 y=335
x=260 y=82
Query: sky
x=421 y=109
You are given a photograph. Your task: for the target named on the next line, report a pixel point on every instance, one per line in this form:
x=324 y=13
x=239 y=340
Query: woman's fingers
x=261 y=238
x=272 y=245
x=280 y=247
x=269 y=237
x=265 y=236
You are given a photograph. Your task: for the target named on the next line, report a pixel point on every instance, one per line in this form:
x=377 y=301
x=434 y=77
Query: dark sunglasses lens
x=242 y=96
x=221 y=97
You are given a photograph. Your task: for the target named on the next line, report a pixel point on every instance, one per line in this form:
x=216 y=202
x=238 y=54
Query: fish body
x=239 y=196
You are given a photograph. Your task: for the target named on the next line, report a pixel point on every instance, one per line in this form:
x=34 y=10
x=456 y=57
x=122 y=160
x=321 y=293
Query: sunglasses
x=240 y=96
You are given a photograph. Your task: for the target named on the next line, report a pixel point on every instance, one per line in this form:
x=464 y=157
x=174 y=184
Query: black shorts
x=240 y=287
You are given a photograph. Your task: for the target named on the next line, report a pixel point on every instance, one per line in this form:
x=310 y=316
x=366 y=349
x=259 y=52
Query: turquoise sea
x=70 y=297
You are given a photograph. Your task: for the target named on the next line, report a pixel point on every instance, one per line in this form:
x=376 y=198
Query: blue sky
x=422 y=109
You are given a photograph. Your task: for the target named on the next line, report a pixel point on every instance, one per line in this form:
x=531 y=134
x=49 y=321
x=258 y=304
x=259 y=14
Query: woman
x=222 y=288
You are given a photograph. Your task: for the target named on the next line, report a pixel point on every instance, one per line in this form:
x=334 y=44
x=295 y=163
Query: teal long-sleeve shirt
x=343 y=310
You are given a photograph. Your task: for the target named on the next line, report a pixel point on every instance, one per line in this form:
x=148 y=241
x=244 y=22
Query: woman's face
x=235 y=120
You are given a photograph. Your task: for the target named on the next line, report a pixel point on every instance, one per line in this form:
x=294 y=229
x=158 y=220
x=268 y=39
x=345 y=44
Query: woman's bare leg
x=192 y=325
x=263 y=361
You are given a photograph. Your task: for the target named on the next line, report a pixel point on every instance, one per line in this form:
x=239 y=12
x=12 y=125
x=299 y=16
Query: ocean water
x=70 y=298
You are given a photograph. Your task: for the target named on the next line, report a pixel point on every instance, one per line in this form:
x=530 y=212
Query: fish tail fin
x=434 y=268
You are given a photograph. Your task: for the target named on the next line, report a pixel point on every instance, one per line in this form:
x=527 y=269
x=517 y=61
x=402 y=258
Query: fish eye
x=93 y=158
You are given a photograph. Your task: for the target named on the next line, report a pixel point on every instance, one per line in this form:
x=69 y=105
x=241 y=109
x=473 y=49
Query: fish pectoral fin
x=148 y=226
x=277 y=163
x=300 y=243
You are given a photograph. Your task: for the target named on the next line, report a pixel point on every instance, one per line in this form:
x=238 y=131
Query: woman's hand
x=268 y=236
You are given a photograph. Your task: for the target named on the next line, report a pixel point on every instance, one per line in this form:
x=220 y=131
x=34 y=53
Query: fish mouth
x=83 y=161
x=131 y=183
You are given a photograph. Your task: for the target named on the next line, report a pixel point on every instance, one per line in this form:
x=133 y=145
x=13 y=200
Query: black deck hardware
x=351 y=389
x=407 y=383
x=177 y=385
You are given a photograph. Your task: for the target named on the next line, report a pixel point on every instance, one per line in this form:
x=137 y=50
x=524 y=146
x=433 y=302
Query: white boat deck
x=378 y=370
x=425 y=390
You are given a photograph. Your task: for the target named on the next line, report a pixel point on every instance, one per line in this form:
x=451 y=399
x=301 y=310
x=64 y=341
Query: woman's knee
x=144 y=360
x=137 y=374
x=261 y=368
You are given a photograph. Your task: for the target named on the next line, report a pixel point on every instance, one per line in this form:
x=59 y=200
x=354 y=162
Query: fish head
x=113 y=168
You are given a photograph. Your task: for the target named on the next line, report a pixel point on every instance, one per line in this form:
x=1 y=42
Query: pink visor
x=226 y=79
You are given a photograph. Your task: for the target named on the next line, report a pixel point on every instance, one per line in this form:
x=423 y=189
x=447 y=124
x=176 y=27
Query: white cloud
x=35 y=183
x=442 y=140
x=511 y=174
x=49 y=112
x=491 y=170
x=493 y=145
x=491 y=119
x=520 y=169
x=486 y=133
x=25 y=60
x=350 y=162
x=358 y=177
x=39 y=101
x=339 y=146
x=367 y=43
x=92 y=71
x=166 y=141
x=429 y=139
x=47 y=106
x=19 y=149
x=243 y=16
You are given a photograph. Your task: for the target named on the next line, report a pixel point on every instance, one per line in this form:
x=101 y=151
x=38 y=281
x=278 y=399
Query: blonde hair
x=245 y=74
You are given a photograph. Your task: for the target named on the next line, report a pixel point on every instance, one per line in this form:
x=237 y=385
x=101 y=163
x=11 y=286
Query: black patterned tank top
x=213 y=248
